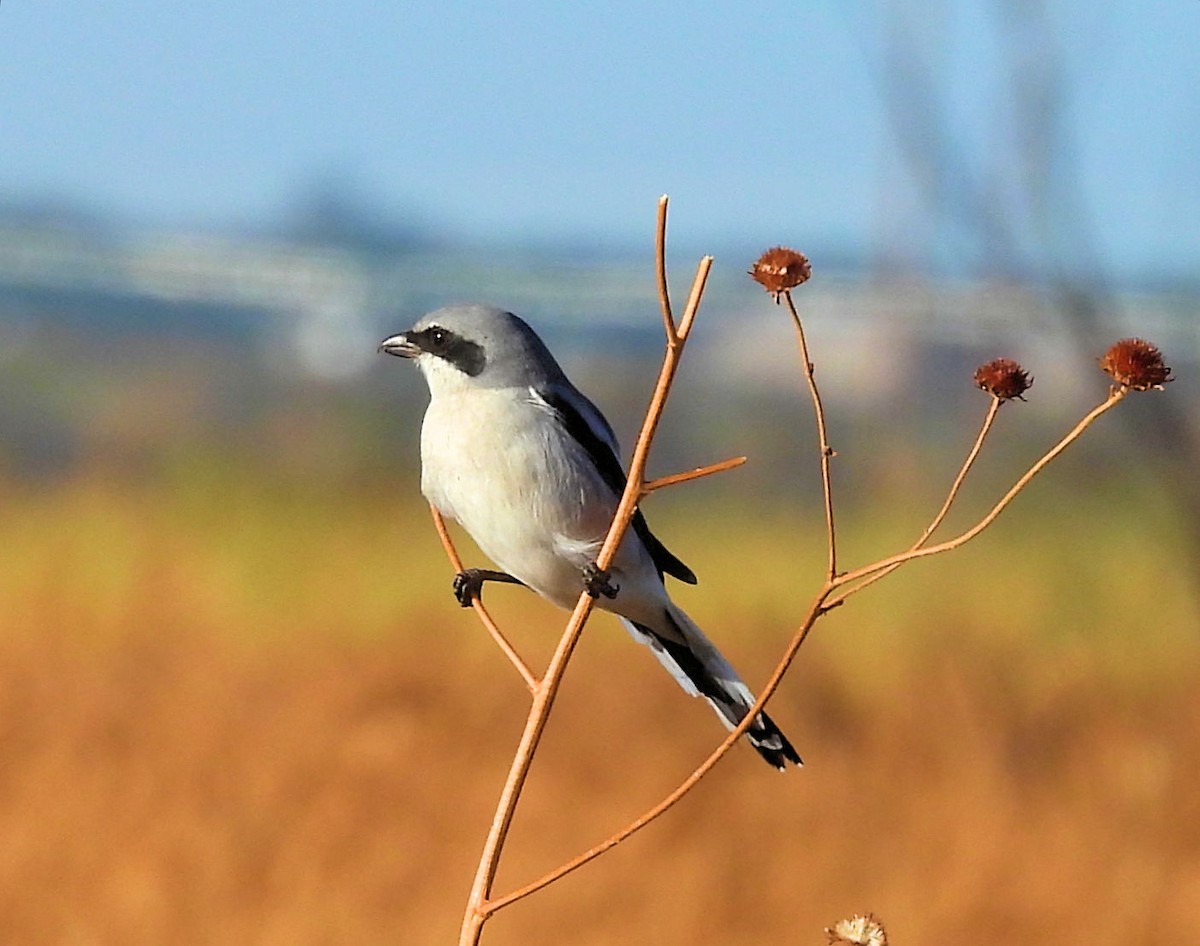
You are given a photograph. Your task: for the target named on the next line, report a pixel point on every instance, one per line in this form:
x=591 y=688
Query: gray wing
x=588 y=427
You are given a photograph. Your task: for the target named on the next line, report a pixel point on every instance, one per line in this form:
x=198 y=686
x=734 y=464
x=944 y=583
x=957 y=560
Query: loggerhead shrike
x=529 y=467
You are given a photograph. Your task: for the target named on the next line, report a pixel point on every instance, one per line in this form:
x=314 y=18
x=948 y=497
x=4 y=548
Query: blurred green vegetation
x=1088 y=576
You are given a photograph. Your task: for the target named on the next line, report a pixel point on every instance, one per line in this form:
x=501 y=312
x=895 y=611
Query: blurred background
x=237 y=701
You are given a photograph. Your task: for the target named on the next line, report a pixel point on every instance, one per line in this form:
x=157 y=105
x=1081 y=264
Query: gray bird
x=529 y=467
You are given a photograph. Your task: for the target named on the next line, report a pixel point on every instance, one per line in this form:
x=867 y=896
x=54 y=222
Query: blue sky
x=551 y=121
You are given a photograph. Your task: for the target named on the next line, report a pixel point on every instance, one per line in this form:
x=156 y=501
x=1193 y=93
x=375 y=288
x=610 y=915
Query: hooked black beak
x=400 y=346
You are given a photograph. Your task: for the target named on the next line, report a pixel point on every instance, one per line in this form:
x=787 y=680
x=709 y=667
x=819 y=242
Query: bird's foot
x=468 y=585
x=596 y=581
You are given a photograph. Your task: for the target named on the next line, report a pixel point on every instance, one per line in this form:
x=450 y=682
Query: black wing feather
x=613 y=473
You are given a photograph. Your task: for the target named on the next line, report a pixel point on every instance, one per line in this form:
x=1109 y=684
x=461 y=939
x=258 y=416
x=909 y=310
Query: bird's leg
x=596 y=581
x=468 y=584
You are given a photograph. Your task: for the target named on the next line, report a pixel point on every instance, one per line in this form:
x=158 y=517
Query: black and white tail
x=700 y=669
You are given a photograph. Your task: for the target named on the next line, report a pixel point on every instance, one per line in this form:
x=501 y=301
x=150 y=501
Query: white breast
x=502 y=465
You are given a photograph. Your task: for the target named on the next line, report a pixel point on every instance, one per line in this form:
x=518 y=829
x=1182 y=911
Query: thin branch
x=485 y=618
x=479 y=907
x=660 y=271
x=693 y=303
x=731 y=463
x=816 y=609
x=822 y=434
x=988 y=420
x=1115 y=396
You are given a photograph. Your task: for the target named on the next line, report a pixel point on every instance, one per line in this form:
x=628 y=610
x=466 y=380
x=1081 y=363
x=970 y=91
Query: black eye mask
x=461 y=352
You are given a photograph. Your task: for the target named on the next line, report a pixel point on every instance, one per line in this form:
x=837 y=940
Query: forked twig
x=1115 y=396
x=479 y=906
x=1134 y=364
x=988 y=420
x=485 y=618
x=815 y=611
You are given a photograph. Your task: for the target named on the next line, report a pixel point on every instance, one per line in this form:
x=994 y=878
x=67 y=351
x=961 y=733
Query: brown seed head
x=1136 y=364
x=1003 y=378
x=780 y=269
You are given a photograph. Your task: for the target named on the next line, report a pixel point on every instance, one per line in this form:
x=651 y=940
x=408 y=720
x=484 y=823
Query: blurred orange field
x=238 y=715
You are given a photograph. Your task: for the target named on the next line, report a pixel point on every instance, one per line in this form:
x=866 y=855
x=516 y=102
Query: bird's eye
x=438 y=336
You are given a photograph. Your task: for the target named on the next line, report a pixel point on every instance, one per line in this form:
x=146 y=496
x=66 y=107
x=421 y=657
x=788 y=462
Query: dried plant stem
x=1003 y=378
x=816 y=609
x=479 y=907
x=660 y=270
x=695 y=474
x=827 y=452
x=481 y=612
x=988 y=420
x=1115 y=396
x=833 y=591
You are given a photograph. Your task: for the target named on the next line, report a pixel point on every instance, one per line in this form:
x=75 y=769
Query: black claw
x=596 y=581
x=468 y=585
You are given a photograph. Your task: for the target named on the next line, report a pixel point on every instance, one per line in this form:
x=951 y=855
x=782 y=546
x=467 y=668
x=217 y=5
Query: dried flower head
x=859 y=930
x=1003 y=378
x=1136 y=364
x=780 y=269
